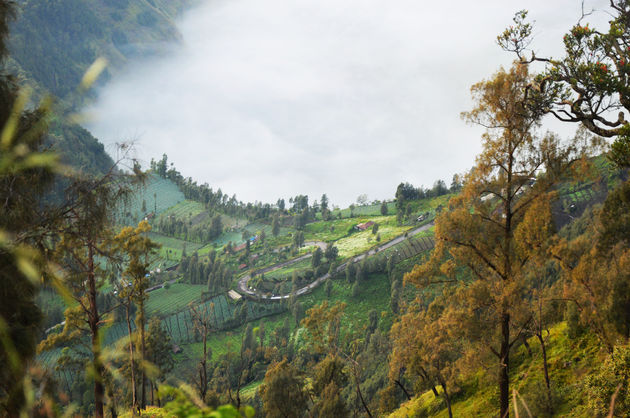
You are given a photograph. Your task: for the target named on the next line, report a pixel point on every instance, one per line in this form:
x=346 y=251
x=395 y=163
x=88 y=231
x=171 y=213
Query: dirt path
x=245 y=290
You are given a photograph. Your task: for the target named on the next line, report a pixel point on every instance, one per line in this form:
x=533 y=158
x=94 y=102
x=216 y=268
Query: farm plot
x=165 y=302
x=185 y=209
x=362 y=241
x=368 y=210
x=221 y=313
x=409 y=248
x=157 y=194
x=287 y=272
x=172 y=248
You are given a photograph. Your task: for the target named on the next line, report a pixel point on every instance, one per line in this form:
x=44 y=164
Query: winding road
x=251 y=293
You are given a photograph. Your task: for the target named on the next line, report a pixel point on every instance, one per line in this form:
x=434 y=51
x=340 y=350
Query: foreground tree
x=425 y=347
x=136 y=250
x=589 y=84
x=159 y=353
x=482 y=236
x=282 y=392
x=25 y=175
x=85 y=240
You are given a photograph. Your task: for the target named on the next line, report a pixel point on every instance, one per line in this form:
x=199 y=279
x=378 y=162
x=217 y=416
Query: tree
x=424 y=346
x=482 y=237
x=356 y=288
x=439 y=188
x=324 y=203
x=374 y=229
x=203 y=325
x=456 y=184
x=350 y=272
x=362 y=200
x=159 y=352
x=331 y=252
x=26 y=173
x=330 y=404
x=316 y=260
x=297 y=309
x=329 y=288
x=216 y=227
x=298 y=239
x=275 y=225
x=323 y=323
x=384 y=209
x=282 y=392
x=85 y=235
x=588 y=85
x=136 y=248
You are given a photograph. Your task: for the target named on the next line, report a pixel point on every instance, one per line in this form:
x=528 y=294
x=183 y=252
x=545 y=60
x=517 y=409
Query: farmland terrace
x=244 y=289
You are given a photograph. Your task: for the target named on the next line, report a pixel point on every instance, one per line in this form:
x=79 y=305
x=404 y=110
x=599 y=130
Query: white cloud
x=277 y=98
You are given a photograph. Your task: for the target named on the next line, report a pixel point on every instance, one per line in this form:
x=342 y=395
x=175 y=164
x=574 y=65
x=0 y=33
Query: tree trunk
x=504 y=361
x=399 y=383
x=94 y=319
x=204 y=370
x=447 y=398
x=526 y=344
x=367 y=410
x=143 y=402
x=134 y=399
x=546 y=370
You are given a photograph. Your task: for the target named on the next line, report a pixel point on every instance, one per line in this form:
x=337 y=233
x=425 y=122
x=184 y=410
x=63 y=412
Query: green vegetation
x=512 y=304
x=175 y=298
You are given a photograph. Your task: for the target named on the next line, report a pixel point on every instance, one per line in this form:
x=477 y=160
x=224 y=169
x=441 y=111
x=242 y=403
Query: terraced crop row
x=158 y=194
x=409 y=248
x=185 y=208
x=221 y=313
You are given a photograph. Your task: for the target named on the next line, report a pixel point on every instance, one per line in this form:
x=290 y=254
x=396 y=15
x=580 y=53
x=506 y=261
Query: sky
x=271 y=99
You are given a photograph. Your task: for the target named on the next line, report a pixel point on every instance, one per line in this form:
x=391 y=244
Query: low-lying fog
x=274 y=98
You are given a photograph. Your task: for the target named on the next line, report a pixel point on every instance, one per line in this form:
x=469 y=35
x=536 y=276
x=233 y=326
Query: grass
x=374 y=295
x=158 y=195
x=362 y=241
x=287 y=272
x=175 y=298
x=185 y=209
x=568 y=360
x=249 y=391
x=367 y=210
x=172 y=248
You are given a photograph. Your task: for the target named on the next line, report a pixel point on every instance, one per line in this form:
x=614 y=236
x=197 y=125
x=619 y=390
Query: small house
x=364 y=226
x=234 y=295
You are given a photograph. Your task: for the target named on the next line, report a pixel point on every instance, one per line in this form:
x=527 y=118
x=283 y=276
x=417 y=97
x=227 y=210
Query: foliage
x=589 y=83
x=185 y=404
x=283 y=392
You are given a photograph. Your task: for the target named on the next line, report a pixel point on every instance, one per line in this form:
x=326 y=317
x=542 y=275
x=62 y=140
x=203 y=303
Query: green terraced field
x=287 y=272
x=159 y=194
x=368 y=210
x=165 y=302
x=185 y=209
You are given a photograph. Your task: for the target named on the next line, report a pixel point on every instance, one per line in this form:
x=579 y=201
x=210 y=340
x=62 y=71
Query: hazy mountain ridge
x=54 y=42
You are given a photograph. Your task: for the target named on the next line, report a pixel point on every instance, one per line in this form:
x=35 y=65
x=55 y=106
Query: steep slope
x=54 y=42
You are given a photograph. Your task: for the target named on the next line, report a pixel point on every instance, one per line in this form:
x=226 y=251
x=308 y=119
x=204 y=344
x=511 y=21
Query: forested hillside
x=53 y=43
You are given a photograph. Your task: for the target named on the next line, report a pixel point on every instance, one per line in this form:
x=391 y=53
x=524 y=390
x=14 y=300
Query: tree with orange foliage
x=482 y=233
